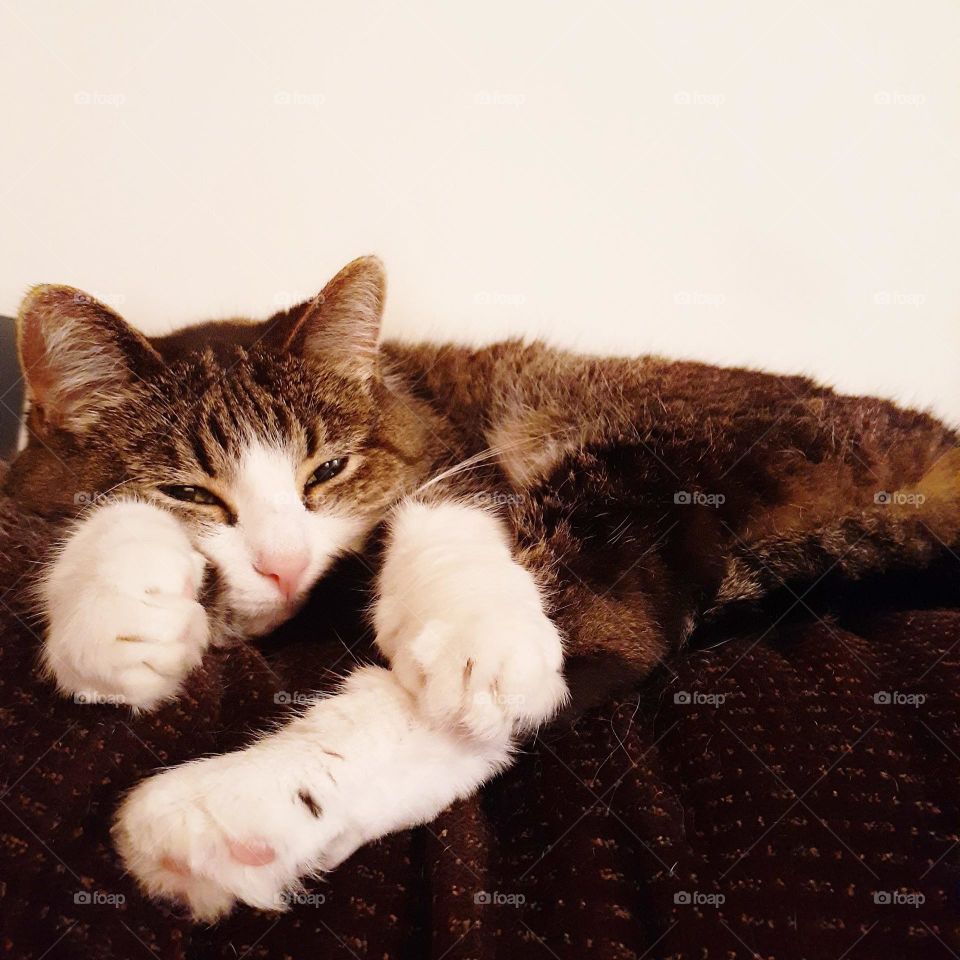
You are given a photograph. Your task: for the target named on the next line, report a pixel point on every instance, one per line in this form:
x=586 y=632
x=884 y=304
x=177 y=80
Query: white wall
x=772 y=183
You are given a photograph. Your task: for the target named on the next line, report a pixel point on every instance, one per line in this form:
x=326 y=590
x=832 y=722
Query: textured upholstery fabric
x=756 y=798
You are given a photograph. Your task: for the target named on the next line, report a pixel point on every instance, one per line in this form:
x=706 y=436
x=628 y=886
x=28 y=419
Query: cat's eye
x=326 y=471
x=187 y=493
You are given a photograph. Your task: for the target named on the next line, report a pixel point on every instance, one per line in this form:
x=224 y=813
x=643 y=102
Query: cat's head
x=278 y=444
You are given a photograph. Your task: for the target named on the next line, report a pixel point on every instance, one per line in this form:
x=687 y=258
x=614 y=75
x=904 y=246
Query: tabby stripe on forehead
x=201 y=455
x=285 y=419
x=216 y=431
x=251 y=389
x=267 y=396
x=229 y=423
x=264 y=379
x=258 y=399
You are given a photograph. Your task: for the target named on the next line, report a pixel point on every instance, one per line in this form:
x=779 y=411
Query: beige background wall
x=770 y=183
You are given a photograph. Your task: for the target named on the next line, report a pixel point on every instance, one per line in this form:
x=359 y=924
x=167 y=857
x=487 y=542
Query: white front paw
x=493 y=675
x=124 y=623
x=238 y=827
x=247 y=826
x=463 y=624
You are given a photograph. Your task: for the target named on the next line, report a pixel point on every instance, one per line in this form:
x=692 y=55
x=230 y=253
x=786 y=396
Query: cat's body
x=525 y=494
x=646 y=493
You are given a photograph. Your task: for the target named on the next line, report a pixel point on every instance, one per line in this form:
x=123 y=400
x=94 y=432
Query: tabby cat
x=539 y=523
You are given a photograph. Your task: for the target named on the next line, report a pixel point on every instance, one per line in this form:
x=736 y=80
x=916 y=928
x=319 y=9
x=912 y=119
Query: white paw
x=247 y=826
x=239 y=827
x=463 y=624
x=124 y=623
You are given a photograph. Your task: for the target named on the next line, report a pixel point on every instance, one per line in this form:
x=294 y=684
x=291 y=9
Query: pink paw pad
x=255 y=853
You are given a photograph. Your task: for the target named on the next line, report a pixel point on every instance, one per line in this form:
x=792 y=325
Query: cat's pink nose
x=284 y=569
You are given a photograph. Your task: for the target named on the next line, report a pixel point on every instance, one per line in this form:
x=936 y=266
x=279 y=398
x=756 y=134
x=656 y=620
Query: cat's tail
x=903 y=529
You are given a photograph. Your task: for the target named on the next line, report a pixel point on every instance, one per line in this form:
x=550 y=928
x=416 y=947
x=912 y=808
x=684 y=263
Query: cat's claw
x=463 y=624
x=124 y=623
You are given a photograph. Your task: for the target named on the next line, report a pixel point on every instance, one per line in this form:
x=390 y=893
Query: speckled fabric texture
x=782 y=790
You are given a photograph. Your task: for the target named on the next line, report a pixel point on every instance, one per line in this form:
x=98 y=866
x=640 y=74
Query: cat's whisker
x=484 y=456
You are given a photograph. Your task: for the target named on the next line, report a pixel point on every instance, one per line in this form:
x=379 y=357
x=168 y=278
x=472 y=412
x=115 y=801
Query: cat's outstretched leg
x=124 y=625
x=248 y=825
x=463 y=623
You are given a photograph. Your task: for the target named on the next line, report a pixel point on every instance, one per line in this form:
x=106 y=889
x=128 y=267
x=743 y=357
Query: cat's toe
x=530 y=684
x=168 y=843
x=521 y=693
x=171 y=641
x=491 y=678
x=144 y=650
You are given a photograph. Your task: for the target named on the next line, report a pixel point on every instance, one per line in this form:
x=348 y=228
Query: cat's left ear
x=77 y=356
x=340 y=326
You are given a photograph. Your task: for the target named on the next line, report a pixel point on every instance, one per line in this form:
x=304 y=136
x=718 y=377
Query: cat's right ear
x=76 y=354
x=339 y=327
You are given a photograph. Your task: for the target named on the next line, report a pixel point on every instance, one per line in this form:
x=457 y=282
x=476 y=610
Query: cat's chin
x=261 y=622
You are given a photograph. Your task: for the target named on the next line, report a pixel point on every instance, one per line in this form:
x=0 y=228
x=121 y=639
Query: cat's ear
x=339 y=327
x=76 y=355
